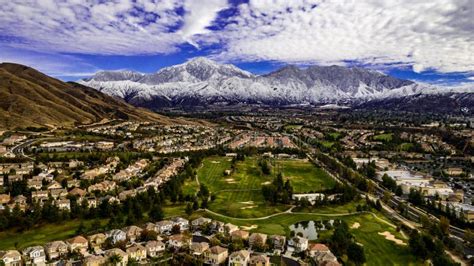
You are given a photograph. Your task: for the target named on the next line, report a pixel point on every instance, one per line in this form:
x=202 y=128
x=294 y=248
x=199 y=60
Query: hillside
x=31 y=98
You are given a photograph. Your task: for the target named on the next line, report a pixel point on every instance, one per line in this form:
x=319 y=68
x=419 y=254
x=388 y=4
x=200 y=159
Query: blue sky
x=427 y=41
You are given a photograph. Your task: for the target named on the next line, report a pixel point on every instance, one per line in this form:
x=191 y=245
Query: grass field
x=304 y=176
x=406 y=146
x=387 y=137
x=41 y=235
x=239 y=194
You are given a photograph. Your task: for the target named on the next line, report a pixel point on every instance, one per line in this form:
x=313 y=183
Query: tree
x=156 y=213
x=355 y=253
x=176 y=229
x=115 y=259
x=444 y=225
x=189 y=209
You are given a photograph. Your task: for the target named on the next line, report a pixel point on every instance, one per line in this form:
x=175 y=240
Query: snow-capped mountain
x=202 y=81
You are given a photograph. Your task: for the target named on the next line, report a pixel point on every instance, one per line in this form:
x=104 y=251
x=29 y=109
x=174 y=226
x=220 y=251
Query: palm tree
x=115 y=259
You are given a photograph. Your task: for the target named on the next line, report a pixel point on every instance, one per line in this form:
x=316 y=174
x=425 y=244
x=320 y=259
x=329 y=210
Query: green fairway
x=387 y=137
x=39 y=236
x=304 y=176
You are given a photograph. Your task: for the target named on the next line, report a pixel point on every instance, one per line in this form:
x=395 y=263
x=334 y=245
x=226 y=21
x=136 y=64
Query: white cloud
x=199 y=15
x=435 y=34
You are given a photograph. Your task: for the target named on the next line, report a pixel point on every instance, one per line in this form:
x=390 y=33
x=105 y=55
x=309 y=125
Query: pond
x=309 y=229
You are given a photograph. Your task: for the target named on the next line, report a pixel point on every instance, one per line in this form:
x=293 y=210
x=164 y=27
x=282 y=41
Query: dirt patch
x=389 y=236
x=355 y=225
x=248 y=228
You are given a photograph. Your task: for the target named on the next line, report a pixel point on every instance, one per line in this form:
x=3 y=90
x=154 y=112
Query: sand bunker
x=248 y=228
x=391 y=237
x=215 y=162
x=266 y=183
x=248 y=207
x=247 y=202
x=230 y=181
x=355 y=225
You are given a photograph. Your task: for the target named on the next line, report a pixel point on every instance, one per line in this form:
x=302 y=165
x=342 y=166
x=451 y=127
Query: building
x=321 y=255
x=133 y=232
x=257 y=239
x=154 y=248
x=278 y=242
x=297 y=244
x=164 y=226
x=197 y=223
x=259 y=260
x=215 y=255
x=55 y=249
x=35 y=255
x=77 y=243
x=137 y=252
x=239 y=234
x=116 y=235
x=96 y=241
x=239 y=258
x=178 y=241
x=94 y=260
x=183 y=223
x=119 y=253
x=197 y=249
x=11 y=258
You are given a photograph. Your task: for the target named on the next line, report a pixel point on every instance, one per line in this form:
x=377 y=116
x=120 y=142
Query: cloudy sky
x=426 y=40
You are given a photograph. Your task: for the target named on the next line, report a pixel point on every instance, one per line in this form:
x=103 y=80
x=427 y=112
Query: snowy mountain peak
x=116 y=75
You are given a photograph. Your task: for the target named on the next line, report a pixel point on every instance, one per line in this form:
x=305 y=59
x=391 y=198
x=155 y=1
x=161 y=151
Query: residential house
x=278 y=242
x=78 y=193
x=239 y=258
x=229 y=228
x=197 y=249
x=92 y=202
x=215 y=255
x=35 y=255
x=117 y=252
x=126 y=194
x=72 y=183
x=96 y=241
x=178 y=241
x=63 y=204
x=54 y=185
x=298 y=244
x=11 y=258
x=77 y=243
x=154 y=248
x=94 y=260
x=197 y=223
x=183 y=223
x=151 y=227
x=36 y=184
x=20 y=200
x=164 y=226
x=257 y=239
x=39 y=196
x=116 y=235
x=133 y=232
x=136 y=252
x=239 y=234
x=259 y=260
x=57 y=193
x=55 y=249
x=4 y=199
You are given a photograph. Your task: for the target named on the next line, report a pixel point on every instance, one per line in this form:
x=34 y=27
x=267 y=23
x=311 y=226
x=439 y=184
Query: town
x=311 y=188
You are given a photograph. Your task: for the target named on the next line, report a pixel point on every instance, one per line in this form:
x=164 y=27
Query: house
x=164 y=226
x=133 y=232
x=39 y=196
x=297 y=244
x=57 y=193
x=278 y=242
x=218 y=227
x=136 y=252
x=73 y=183
x=55 y=249
x=77 y=243
x=151 y=227
x=78 y=193
x=183 y=223
x=34 y=255
x=178 y=241
x=4 y=199
x=127 y=194
x=197 y=223
x=215 y=255
x=259 y=260
x=94 y=260
x=197 y=249
x=119 y=253
x=229 y=228
x=257 y=239
x=92 y=202
x=36 y=184
x=454 y=171
x=96 y=241
x=116 y=235
x=63 y=204
x=154 y=248
x=321 y=255
x=239 y=234
x=54 y=185
x=239 y=258
x=11 y=258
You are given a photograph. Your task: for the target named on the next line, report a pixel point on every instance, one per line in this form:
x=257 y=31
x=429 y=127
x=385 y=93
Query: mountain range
x=201 y=81
x=31 y=98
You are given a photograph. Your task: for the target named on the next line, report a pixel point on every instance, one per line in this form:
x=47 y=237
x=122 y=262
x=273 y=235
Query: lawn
x=239 y=194
x=387 y=137
x=406 y=146
x=304 y=176
x=38 y=236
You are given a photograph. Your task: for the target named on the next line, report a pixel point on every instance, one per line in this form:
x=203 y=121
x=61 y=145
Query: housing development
x=299 y=189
